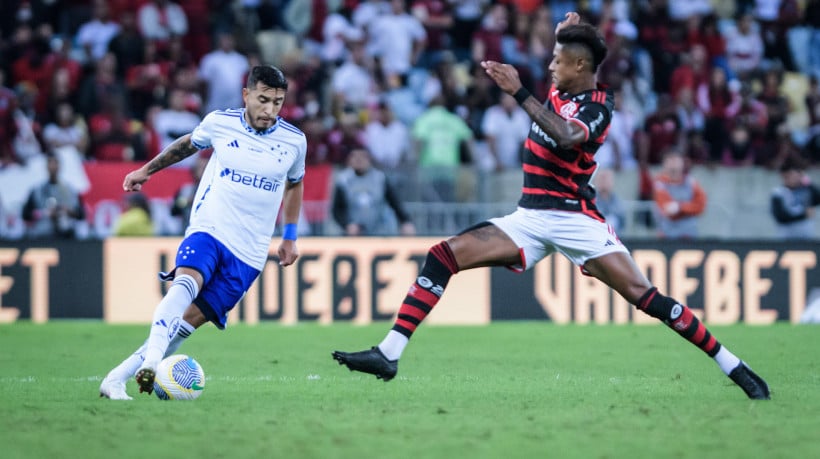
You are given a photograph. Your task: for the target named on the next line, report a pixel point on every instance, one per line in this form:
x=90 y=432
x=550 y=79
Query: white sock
x=185 y=330
x=128 y=368
x=168 y=317
x=393 y=345
x=726 y=360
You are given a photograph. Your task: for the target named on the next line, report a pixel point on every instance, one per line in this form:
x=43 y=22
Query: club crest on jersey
x=569 y=109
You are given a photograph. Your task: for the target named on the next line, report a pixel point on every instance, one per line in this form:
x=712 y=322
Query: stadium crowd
x=725 y=84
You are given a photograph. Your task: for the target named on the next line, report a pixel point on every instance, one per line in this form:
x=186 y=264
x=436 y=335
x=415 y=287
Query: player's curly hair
x=585 y=35
x=268 y=75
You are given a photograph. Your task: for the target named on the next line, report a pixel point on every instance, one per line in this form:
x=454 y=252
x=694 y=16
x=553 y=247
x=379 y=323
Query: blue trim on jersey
x=201 y=147
x=250 y=129
x=290 y=127
x=296 y=180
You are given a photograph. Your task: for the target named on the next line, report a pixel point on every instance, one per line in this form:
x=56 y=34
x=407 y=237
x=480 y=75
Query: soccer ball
x=179 y=377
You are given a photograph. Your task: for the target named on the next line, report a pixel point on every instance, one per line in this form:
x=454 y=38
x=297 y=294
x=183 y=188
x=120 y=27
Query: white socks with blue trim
x=168 y=318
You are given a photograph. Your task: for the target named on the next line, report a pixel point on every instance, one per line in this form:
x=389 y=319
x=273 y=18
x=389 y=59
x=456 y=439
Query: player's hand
x=571 y=18
x=504 y=75
x=288 y=253
x=134 y=180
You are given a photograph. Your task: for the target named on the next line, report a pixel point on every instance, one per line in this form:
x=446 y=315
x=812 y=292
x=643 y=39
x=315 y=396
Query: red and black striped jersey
x=556 y=177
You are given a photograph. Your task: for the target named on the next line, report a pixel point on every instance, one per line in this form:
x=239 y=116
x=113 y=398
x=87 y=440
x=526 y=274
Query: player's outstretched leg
x=681 y=319
x=382 y=360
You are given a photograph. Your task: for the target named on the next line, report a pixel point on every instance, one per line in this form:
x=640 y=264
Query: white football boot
x=113 y=389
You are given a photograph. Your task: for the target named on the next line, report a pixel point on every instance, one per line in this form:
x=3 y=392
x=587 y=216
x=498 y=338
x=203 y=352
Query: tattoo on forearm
x=549 y=121
x=180 y=149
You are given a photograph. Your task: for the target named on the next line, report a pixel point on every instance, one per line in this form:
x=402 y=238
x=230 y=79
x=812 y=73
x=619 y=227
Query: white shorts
x=540 y=233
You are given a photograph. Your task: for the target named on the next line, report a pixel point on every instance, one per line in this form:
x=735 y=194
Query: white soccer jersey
x=241 y=190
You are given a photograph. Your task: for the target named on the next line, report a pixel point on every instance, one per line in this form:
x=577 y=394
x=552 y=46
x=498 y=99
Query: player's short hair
x=268 y=75
x=586 y=36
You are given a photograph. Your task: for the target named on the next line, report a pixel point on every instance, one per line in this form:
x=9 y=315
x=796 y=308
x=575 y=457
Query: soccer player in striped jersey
x=556 y=213
x=256 y=168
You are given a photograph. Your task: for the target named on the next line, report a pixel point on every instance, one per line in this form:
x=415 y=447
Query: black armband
x=521 y=95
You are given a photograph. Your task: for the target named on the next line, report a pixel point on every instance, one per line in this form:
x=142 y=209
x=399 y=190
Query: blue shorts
x=225 y=278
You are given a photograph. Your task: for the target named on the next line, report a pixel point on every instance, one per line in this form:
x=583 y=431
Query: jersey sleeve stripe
x=199 y=145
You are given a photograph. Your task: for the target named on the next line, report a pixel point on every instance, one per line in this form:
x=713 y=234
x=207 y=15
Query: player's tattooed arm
x=564 y=132
x=179 y=149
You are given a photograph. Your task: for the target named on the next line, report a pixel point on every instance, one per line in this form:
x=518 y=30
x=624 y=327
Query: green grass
x=503 y=391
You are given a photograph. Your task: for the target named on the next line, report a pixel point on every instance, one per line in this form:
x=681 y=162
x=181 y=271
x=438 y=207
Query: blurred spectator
x=778 y=108
x=793 y=202
x=100 y=86
x=487 y=40
x=115 y=136
x=95 y=35
x=147 y=82
x=505 y=127
x=53 y=208
x=127 y=45
x=693 y=123
x=437 y=18
x=173 y=122
x=135 y=221
x=365 y=203
x=344 y=137
x=714 y=100
x=811 y=150
x=336 y=31
x=442 y=141
x=693 y=71
x=160 y=20
x=315 y=132
x=467 y=15
x=607 y=201
x=658 y=34
x=27 y=141
x=387 y=139
x=183 y=202
x=748 y=120
x=679 y=198
x=8 y=126
x=707 y=34
x=223 y=70
x=662 y=130
x=67 y=130
x=364 y=14
x=399 y=40
x=352 y=83
x=775 y=18
x=744 y=47
x=618 y=151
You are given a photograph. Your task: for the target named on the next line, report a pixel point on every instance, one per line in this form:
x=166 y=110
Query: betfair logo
x=253 y=181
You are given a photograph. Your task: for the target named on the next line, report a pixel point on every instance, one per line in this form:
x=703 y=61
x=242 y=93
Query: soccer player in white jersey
x=257 y=166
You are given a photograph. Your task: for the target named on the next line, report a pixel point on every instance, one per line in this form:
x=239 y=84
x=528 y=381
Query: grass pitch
x=514 y=390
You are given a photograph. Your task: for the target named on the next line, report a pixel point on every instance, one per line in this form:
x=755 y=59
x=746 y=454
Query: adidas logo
x=608 y=243
x=234 y=144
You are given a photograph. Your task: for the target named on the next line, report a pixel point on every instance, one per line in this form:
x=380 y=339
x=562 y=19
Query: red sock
x=427 y=289
x=679 y=318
